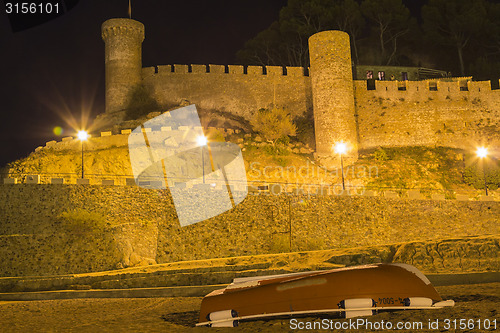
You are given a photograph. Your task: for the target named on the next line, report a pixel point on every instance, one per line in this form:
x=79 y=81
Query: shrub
x=381 y=155
x=305 y=129
x=276 y=150
x=216 y=136
x=274 y=124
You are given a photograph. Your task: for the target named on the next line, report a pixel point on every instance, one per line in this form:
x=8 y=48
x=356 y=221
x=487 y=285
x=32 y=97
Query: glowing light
x=202 y=140
x=83 y=135
x=58 y=130
x=482 y=152
x=341 y=148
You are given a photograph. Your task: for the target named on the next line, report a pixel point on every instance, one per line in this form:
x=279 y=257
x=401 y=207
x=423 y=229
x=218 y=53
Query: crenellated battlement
x=459 y=88
x=226 y=69
x=454 y=112
x=123 y=27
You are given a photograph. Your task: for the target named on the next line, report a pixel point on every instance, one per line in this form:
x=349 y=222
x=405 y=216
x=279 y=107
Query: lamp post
x=341 y=149
x=202 y=141
x=82 y=136
x=482 y=152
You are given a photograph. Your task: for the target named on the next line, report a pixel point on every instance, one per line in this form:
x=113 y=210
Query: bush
x=305 y=129
x=381 y=155
x=275 y=124
x=276 y=150
x=216 y=136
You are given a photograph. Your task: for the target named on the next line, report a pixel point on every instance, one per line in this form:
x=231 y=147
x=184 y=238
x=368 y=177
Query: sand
x=477 y=302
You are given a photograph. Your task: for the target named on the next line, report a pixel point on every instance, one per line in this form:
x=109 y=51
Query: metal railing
x=256 y=187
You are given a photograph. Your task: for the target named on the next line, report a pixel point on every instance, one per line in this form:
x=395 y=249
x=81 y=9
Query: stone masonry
x=455 y=112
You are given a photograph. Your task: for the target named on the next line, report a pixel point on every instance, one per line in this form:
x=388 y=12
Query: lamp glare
x=83 y=135
x=482 y=152
x=340 y=148
x=202 y=140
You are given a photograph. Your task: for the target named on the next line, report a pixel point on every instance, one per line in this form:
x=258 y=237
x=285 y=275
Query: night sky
x=56 y=70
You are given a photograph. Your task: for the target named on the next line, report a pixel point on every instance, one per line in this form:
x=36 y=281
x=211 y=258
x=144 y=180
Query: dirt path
x=477 y=302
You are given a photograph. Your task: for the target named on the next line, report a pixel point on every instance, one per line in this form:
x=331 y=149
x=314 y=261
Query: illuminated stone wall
x=235 y=92
x=386 y=116
x=397 y=113
x=333 y=96
x=144 y=227
x=450 y=116
x=123 y=61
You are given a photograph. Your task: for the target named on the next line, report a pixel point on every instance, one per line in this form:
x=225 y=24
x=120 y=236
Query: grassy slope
x=410 y=167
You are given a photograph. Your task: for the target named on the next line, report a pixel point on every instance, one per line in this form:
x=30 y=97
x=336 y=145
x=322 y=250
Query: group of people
x=381 y=76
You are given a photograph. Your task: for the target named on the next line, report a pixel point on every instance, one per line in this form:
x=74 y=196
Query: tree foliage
x=390 y=22
x=286 y=41
x=274 y=124
x=347 y=17
x=454 y=23
x=386 y=32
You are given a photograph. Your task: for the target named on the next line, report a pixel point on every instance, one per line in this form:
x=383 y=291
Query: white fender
x=229 y=323
x=418 y=302
x=448 y=302
x=221 y=315
x=357 y=303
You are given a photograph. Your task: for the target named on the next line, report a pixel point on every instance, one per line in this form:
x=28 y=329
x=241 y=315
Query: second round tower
x=333 y=93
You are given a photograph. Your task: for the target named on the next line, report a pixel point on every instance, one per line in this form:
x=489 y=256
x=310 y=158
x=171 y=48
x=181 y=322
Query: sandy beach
x=477 y=304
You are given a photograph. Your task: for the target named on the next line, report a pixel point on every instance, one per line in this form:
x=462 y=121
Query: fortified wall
x=387 y=116
x=457 y=112
x=55 y=233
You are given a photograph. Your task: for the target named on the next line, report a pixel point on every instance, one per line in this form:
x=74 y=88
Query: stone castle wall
x=456 y=114
x=419 y=116
x=385 y=116
x=144 y=228
x=235 y=92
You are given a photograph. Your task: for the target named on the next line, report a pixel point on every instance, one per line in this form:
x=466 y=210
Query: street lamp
x=341 y=149
x=202 y=142
x=82 y=136
x=482 y=152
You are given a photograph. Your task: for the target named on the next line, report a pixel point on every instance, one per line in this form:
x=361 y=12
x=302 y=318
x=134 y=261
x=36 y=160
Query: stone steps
x=161 y=278
x=461 y=255
x=200 y=291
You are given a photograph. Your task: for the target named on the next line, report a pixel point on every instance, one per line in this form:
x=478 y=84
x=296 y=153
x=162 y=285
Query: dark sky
x=56 y=69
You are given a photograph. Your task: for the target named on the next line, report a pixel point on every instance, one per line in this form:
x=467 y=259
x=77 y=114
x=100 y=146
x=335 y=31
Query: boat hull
x=388 y=285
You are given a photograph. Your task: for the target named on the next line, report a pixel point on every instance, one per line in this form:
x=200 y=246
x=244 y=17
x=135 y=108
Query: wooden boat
x=353 y=291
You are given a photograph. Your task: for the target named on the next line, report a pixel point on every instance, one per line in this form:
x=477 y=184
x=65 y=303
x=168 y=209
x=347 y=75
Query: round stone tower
x=123 y=61
x=333 y=94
